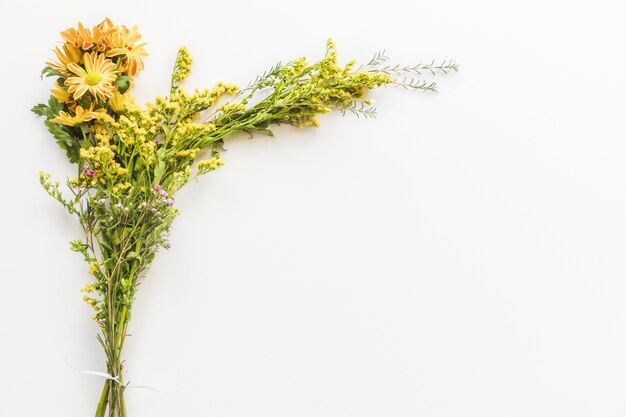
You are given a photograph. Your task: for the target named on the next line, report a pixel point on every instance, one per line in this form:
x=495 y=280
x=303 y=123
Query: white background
x=461 y=255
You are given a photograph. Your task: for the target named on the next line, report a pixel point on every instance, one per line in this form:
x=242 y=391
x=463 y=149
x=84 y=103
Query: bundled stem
x=112 y=397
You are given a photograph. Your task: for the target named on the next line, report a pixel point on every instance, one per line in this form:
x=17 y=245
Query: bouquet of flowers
x=131 y=160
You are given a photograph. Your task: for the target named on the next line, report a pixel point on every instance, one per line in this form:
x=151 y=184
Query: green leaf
x=52 y=110
x=55 y=106
x=105 y=245
x=65 y=139
x=218 y=146
x=79 y=246
x=132 y=255
x=123 y=83
x=85 y=101
x=139 y=169
x=159 y=169
x=40 y=109
x=261 y=131
x=49 y=72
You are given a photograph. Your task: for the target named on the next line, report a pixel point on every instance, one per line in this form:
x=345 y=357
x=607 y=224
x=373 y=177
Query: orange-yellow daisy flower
x=82 y=37
x=68 y=55
x=107 y=26
x=124 y=42
x=81 y=116
x=96 y=78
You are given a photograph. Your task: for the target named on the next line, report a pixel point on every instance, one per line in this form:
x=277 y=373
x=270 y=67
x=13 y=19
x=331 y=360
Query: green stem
x=120 y=329
x=123 y=404
x=102 y=405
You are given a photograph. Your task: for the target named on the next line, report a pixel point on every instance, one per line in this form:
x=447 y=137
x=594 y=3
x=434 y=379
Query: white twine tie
x=112 y=378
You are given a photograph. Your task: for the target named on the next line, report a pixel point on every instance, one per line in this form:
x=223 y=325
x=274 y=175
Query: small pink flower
x=163 y=193
x=89 y=172
x=157 y=187
x=170 y=202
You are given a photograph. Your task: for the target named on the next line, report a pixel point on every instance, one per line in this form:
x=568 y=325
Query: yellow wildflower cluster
x=136 y=127
x=188 y=133
x=328 y=66
x=182 y=67
x=348 y=67
x=164 y=106
x=363 y=81
x=52 y=188
x=147 y=150
x=92 y=302
x=293 y=69
x=102 y=133
x=187 y=153
x=120 y=187
x=192 y=104
x=303 y=91
x=102 y=159
x=305 y=118
x=232 y=107
x=87 y=288
x=180 y=178
x=208 y=165
x=135 y=130
x=342 y=85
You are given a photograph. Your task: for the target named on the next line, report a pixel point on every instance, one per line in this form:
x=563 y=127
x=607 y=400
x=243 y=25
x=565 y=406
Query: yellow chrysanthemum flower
x=81 y=115
x=69 y=55
x=119 y=101
x=60 y=93
x=96 y=78
x=124 y=42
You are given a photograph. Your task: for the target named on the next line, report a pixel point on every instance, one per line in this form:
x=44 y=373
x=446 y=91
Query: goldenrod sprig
x=182 y=68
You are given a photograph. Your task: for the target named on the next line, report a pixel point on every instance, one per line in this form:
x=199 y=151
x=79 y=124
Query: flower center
x=93 y=78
